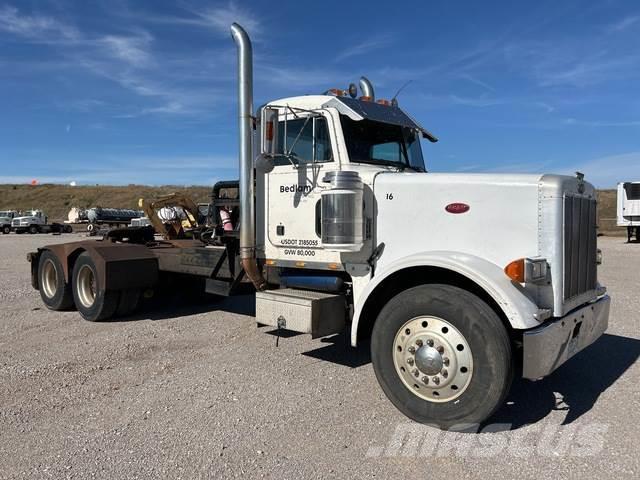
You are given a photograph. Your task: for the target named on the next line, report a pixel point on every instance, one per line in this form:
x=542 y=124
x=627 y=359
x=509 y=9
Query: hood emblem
x=457 y=208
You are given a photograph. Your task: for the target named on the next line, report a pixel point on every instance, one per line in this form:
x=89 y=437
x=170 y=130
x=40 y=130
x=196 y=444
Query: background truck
x=337 y=226
x=628 y=211
x=97 y=217
x=6 y=217
x=35 y=221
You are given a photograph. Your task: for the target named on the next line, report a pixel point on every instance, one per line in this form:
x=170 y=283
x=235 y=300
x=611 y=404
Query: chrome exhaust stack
x=247 y=177
x=367 y=88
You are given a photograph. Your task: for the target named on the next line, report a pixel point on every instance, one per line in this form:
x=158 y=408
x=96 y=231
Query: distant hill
x=607 y=213
x=57 y=200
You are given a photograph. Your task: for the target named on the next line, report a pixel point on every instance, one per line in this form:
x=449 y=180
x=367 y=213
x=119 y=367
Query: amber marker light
x=515 y=270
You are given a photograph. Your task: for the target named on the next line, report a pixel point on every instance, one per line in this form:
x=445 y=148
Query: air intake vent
x=580 y=249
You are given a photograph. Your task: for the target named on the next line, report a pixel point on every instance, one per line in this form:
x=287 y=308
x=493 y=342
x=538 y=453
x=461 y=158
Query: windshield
x=382 y=143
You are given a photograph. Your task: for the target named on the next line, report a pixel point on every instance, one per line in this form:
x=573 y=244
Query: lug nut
x=410 y=361
x=436 y=380
x=415 y=372
x=412 y=349
x=419 y=342
x=445 y=361
x=445 y=374
x=440 y=349
x=430 y=342
x=425 y=380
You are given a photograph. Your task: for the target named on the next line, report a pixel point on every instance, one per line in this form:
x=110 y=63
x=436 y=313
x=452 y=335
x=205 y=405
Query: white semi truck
x=459 y=280
x=628 y=208
x=6 y=217
x=36 y=221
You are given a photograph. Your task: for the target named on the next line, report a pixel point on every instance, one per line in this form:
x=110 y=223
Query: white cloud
x=133 y=50
x=601 y=123
x=479 y=102
x=221 y=18
x=218 y=19
x=35 y=27
x=624 y=24
x=608 y=171
x=364 y=47
x=142 y=170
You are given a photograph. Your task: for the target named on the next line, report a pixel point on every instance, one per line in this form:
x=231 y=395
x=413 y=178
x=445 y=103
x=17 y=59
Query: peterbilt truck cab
x=455 y=281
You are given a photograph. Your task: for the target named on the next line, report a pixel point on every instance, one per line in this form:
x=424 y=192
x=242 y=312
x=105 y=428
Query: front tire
x=33 y=229
x=442 y=356
x=54 y=291
x=92 y=300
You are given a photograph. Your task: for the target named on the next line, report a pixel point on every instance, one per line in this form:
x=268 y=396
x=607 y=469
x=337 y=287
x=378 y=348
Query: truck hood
x=495 y=217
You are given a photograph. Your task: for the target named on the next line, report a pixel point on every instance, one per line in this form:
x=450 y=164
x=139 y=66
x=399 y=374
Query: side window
x=323 y=142
x=307 y=142
x=386 y=151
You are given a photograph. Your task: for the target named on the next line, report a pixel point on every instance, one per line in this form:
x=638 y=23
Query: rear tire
x=92 y=300
x=54 y=291
x=442 y=356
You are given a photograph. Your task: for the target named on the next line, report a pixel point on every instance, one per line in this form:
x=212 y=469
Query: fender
x=519 y=309
x=119 y=265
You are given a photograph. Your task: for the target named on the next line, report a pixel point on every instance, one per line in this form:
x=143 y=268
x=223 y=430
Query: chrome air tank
x=342 y=212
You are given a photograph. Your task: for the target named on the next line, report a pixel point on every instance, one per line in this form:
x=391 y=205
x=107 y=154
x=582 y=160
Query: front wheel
x=442 y=356
x=33 y=229
x=6 y=229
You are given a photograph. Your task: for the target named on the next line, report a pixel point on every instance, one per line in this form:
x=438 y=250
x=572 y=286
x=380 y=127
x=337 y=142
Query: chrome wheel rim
x=86 y=286
x=49 y=278
x=433 y=359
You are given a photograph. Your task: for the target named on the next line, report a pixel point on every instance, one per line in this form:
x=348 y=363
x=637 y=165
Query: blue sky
x=126 y=91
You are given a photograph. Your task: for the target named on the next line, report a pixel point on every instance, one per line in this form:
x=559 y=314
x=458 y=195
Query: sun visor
x=358 y=110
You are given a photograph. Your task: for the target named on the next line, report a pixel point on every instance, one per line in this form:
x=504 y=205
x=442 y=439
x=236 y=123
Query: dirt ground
x=201 y=392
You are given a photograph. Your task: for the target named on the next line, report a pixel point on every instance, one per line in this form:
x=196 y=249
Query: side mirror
x=269 y=141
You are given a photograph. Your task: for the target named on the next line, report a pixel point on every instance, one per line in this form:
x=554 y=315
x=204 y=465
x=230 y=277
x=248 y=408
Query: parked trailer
x=629 y=208
x=113 y=217
x=337 y=226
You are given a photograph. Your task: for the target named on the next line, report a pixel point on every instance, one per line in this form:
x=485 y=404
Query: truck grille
x=580 y=249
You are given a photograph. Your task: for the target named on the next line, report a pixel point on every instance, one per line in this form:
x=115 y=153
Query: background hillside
x=57 y=200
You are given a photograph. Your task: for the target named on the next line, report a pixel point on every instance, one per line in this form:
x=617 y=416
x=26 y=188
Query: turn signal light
x=270 y=262
x=300 y=264
x=383 y=102
x=365 y=98
x=515 y=270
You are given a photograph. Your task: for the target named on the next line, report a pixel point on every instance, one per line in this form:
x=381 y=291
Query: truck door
x=294 y=187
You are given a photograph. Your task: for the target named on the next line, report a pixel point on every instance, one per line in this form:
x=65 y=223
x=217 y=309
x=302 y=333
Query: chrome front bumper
x=547 y=347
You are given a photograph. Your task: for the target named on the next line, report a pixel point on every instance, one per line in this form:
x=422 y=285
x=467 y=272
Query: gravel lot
x=200 y=391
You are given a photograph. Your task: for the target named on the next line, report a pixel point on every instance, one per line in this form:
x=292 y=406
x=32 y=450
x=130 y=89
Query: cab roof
x=357 y=110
